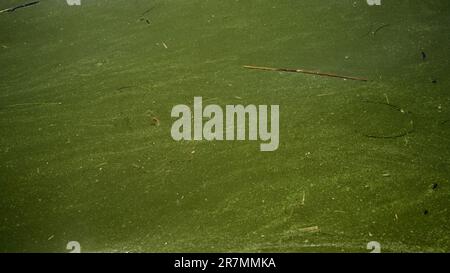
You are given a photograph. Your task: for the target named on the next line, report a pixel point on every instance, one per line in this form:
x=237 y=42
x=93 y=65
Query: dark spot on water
x=435 y=186
x=424 y=56
x=425 y=212
x=434 y=81
x=125 y=87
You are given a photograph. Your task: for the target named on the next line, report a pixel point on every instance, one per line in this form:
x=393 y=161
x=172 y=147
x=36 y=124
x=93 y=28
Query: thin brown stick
x=305 y=72
x=19 y=7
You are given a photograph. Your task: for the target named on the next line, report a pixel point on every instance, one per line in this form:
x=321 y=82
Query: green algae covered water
x=87 y=155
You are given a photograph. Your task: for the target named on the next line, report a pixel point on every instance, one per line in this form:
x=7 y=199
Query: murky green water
x=81 y=158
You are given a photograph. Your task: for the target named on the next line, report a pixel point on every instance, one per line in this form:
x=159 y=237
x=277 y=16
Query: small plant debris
x=144 y=15
x=304 y=71
x=155 y=121
x=424 y=55
x=20 y=7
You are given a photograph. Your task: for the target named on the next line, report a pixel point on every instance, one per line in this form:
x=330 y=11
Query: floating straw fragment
x=317 y=73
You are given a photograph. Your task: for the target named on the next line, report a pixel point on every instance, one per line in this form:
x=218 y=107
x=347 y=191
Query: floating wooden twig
x=34 y=104
x=310 y=229
x=19 y=7
x=317 y=73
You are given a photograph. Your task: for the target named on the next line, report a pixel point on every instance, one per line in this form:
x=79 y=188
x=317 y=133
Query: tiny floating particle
x=155 y=121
